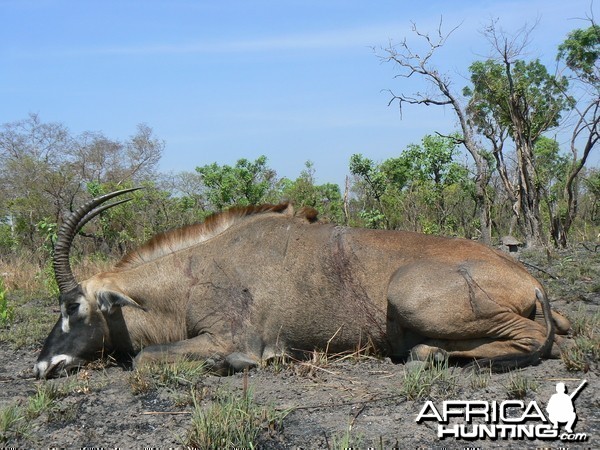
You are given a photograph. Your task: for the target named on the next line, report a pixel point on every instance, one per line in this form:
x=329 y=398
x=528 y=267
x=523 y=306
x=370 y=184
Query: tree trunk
x=529 y=196
x=482 y=176
x=483 y=207
x=482 y=179
x=346 y=196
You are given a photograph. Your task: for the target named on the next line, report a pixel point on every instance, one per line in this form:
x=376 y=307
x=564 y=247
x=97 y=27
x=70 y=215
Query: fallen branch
x=540 y=269
x=360 y=410
x=562 y=379
x=341 y=405
x=589 y=249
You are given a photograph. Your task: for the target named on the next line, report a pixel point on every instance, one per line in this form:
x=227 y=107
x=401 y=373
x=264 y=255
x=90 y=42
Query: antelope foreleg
x=220 y=357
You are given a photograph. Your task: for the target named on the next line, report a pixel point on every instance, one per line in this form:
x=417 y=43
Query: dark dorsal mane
x=181 y=238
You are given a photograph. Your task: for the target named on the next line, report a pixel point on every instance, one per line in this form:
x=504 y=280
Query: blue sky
x=219 y=81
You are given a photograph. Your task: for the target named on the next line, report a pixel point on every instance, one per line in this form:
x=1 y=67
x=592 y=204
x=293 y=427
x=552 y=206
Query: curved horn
x=70 y=227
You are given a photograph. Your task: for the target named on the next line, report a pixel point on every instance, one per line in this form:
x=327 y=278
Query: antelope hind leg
x=514 y=344
x=468 y=313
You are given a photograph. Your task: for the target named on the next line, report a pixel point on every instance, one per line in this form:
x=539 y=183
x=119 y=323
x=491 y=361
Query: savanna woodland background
x=521 y=162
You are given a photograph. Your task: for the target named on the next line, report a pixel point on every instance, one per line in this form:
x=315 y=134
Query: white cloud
x=326 y=40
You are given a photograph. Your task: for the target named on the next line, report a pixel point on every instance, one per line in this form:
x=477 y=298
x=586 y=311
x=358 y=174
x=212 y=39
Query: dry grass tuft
x=22 y=274
x=519 y=385
x=584 y=352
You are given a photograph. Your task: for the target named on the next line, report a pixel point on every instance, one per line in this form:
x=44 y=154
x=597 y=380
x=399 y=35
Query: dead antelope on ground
x=252 y=283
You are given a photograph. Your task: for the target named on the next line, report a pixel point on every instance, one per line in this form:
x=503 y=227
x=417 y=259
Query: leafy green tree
x=433 y=161
x=432 y=171
x=580 y=52
x=519 y=99
x=149 y=211
x=552 y=169
x=373 y=183
x=424 y=189
x=304 y=191
x=592 y=185
x=246 y=183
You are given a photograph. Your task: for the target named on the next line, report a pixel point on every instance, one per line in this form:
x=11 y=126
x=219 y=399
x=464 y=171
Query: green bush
x=7 y=311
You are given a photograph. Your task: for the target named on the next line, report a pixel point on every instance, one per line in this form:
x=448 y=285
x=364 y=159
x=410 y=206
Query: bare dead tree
x=412 y=64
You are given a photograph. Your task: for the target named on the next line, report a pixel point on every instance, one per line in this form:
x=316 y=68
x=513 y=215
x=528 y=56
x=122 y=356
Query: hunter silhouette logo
x=560 y=407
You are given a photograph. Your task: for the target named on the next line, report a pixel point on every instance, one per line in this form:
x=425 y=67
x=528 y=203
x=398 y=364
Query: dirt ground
x=362 y=401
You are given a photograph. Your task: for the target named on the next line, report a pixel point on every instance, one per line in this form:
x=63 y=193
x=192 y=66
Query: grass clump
x=320 y=361
x=13 y=423
x=232 y=421
x=519 y=385
x=44 y=400
x=15 y=419
x=428 y=380
x=150 y=377
x=480 y=379
x=346 y=440
x=82 y=383
x=584 y=352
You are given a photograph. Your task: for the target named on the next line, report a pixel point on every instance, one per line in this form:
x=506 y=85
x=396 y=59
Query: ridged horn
x=69 y=229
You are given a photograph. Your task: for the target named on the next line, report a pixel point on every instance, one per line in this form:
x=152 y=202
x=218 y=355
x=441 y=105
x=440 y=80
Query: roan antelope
x=251 y=283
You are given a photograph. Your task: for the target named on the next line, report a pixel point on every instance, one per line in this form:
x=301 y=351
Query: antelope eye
x=72 y=308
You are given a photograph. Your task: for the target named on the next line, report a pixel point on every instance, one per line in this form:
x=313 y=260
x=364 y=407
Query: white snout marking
x=65 y=359
x=42 y=368
x=65 y=325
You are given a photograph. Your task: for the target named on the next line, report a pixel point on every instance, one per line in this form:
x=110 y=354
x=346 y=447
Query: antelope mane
x=181 y=238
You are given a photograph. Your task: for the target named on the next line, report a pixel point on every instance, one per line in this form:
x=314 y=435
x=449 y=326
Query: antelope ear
x=108 y=300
